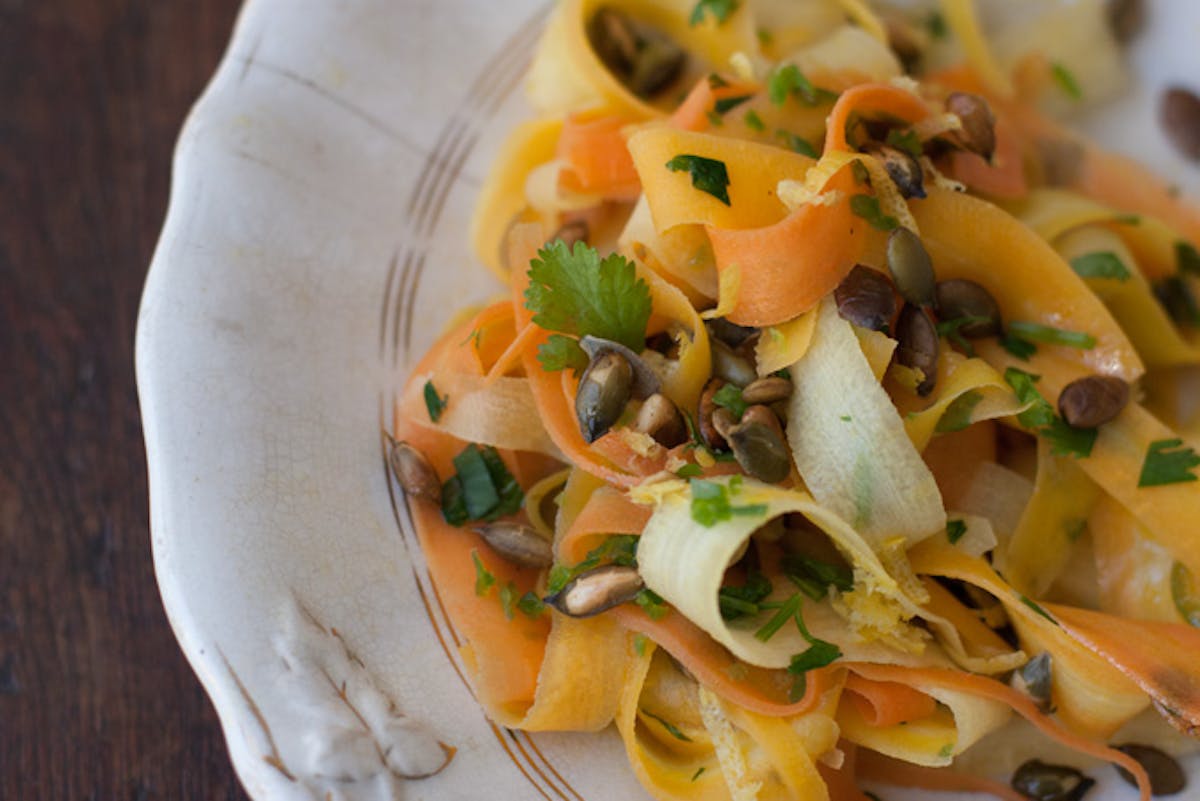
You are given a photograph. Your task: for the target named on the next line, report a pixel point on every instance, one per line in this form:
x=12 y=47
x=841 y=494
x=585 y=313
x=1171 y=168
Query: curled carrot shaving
x=597 y=161
x=886 y=703
x=873 y=765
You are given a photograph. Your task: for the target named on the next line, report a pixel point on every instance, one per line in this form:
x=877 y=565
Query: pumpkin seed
x=708 y=408
x=1034 y=679
x=768 y=390
x=659 y=418
x=958 y=298
x=1092 y=401
x=597 y=590
x=1179 y=114
x=865 y=298
x=1166 y=776
x=645 y=380
x=517 y=543
x=604 y=391
x=978 y=133
x=730 y=366
x=759 y=447
x=902 y=168
x=731 y=334
x=911 y=267
x=641 y=57
x=919 y=345
x=1043 y=782
x=416 y=476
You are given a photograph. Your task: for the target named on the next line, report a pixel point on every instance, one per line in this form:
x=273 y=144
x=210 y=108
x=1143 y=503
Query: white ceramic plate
x=315 y=244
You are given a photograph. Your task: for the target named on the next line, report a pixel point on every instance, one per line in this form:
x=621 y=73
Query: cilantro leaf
x=434 y=404
x=482 y=488
x=1066 y=80
x=708 y=175
x=479 y=491
x=754 y=122
x=620 y=549
x=654 y=606
x=955 y=530
x=483 y=577
x=1021 y=348
x=578 y=293
x=690 y=470
x=1187 y=260
x=797 y=144
x=1035 y=332
x=719 y=9
x=958 y=414
x=730 y=397
x=1065 y=440
x=819 y=654
x=727 y=104
x=711 y=505
x=1168 y=461
x=1101 y=264
x=560 y=352
x=906 y=141
x=738 y=601
x=788 y=81
x=867 y=207
x=508 y=598
x=531 y=605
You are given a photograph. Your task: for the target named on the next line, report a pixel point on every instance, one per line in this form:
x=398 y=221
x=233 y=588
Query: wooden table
x=96 y=700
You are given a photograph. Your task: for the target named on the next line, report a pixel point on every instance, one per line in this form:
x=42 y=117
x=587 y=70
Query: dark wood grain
x=96 y=700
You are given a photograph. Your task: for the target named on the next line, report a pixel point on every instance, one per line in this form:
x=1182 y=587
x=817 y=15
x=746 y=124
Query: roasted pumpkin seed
x=919 y=345
x=1179 y=113
x=865 y=297
x=1166 y=775
x=911 y=267
x=959 y=298
x=645 y=380
x=1093 y=401
x=978 y=133
x=517 y=543
x=1044 y=782
x=760 y=449
x=767 y=390
x=731 y=366
x=902 y=168
x=416 y=476
x=660 y=419
x=597 y=590
x=604 y=391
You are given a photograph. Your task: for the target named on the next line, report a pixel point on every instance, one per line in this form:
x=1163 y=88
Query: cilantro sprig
x=481 y=488
x=576 y=292
x=1065 y=440
x=1168 y=461
x=708 y=175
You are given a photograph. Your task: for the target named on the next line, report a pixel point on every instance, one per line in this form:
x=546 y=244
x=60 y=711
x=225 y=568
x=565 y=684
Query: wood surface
x=96 y=700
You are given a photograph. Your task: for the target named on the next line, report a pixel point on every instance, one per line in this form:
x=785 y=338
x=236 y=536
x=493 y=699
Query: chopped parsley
x=814 y=577
x=531 y=605
x=576 y=292
x=754 y=122
x=955 y=529
x=559 y=352
x=1168 y=461
x=1101 y=264
x=639 y=644
x=797 y=144
x=950 y=330
x=818 y=654
x=785 y=612
x=617 y=550
x=690 y=470
x=1035 y=332
x=711 y=504
x=1021 y=348
x=435 y=404
x=508 y=599
x=1066 y=80
x=483 y=577
x=698 y=773
x=708 y=175
x=935 y=23
x=730 y=397
x=958 y=414
x=742 y=601
x=671 y=728
x=906 y=141
x=718 y=9
x=946 y=750
x=727 y=104
x=1186 y=258
x=867 y=207
x=654 y=606
x=481 y=488
x=1064 y=439
x=788 y=81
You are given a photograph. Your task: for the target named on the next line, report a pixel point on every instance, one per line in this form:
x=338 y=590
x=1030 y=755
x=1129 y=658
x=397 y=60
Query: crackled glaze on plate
x=314 y=246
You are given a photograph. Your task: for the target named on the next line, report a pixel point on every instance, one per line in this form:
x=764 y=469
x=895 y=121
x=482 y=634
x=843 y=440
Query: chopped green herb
x=639 y=644
x=788 y=81
x=754 y=122
x=907 y=141
x=1066 y=80
x=742 y=601
x=797 y=144
x=730 y=397
x=719 y=9
x=1074 y=529
x=1176 y=297
x=935 y=23
x=950 y=330
x=578 y=293
x=698 y=773
x=764 y=36
x=867 y=207
x=620 y=549
x=559 y=352
x=708 y=175
x=654 y=606
x=671 y=728
x=786 y=611
x=819 y=653
x=727 y=104
x=435 y=404
x=946 y=750
x=690 y=470
x=481 y=488
x=714 y=119
x=1102 y=264
x=955 y=529
x=1168 y=461
x=1064 y=440
x=815 y=577
x=1187 y=259
x=845 y=418
x=710 y=503
x=1021 y=348
x=531 y=605
x=1127 y=219
x=1036 y=332
x=868 y=793
x=958 y=414
x=1035 y=607
x=483 y=577
x=860 y=172
x=1183 y=593
x=715 y=81
x=508 y=599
